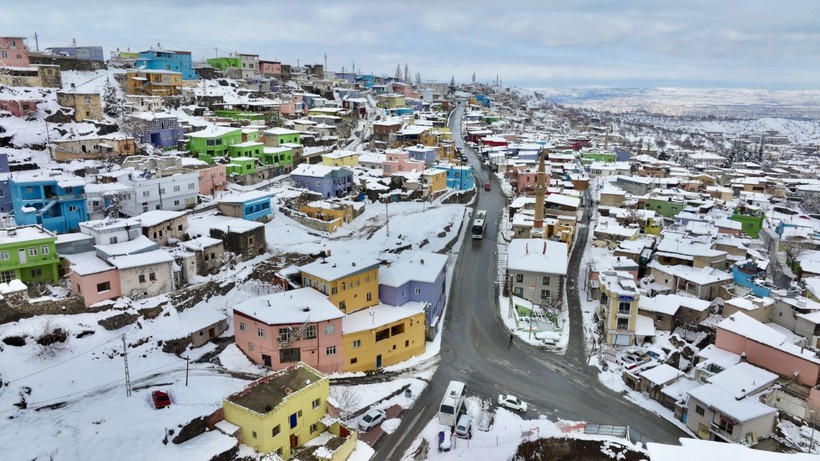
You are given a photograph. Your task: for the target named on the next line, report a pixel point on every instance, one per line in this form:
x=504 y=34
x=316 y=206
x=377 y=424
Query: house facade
x=418 y=276
x=152 y=192
x=383 y=335
x=164 y=226
x=57 y=203
x=91 y=148
x=252 y=206
x=213 y=142
x=246 y=239
x=537 y=268
x=351 y=283
x=146 y=82
x=618 y=307
x=283 y=328
x=326 y=180
x=14 y=52
x=159 y=130
x=167 y=60
x=144 y=275
x=28 y=254
x=87 y=106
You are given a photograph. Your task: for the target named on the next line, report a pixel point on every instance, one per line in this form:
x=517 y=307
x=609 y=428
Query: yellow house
x=350 y=282
x=383 y=335
x=653 y=226
x=153 y=83
x=435 y=181
x=562 y=228
x=332 y=213
x=618 y=306
x=391 y=101
x=284 y=410
x=341 y=158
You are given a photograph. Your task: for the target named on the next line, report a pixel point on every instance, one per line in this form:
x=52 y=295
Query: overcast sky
x=772 y=44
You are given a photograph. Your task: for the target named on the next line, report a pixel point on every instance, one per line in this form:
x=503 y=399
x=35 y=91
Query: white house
x=155 y=192
x=537 y=268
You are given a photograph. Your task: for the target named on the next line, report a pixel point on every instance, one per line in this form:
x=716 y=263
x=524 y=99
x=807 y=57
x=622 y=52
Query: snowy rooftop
x=743 y=325
x=339 y=265
x=87 y=263
x=245 y=197
x=141 y=259
x=563 y=200
x=421 y=266
x=691 y=449
x=699 y=276
x=743 y=379
x=137 y=245
x=724 y=402
x=290 y=307
x=661 y=374
x=279 y=131
x=154 y=217
x=669 y=304
x=382 y=314
x=213 y=131
x=23 y=234
x=200 y=243
x=315 y=171
x=538 y=255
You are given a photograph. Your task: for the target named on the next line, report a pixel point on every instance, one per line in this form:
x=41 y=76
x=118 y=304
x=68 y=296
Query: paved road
x=475 y=349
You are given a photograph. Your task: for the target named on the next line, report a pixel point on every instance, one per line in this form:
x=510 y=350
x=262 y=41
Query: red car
x=487 y=186
x=160 y=399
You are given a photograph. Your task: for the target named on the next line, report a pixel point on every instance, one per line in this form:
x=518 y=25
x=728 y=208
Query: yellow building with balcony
x=341 y=158
x=282 y=411
x=618 y=307
x=350 y=282
x=147 y=82
x=383 y=335
x=334 y=214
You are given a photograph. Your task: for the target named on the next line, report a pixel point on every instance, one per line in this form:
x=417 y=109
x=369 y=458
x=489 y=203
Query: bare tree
x=347 y=400
x=398 y=71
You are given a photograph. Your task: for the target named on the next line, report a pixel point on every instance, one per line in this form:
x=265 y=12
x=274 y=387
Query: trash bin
x=408 y=393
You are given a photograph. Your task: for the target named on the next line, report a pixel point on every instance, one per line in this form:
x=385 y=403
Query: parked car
x=371 y=419
x=657 y=354
x=512 y=402
x=464 y=427
x=487 y=186
x=633 y=360
x=160 y=399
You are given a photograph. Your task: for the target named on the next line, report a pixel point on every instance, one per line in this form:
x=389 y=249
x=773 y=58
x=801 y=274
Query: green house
x=213 y=142
x=28 y=254
x=665 y=206
x=241 y=166
x=281 y=157
x=275 y=137
x=224 y=63
x=246 y=149
x=750 y=219
x=591 y=157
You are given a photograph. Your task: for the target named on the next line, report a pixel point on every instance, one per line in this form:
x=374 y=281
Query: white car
x=371 y=419
x=512 y=402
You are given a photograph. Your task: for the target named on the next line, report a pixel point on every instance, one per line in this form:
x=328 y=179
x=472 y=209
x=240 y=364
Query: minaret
x=540 y=189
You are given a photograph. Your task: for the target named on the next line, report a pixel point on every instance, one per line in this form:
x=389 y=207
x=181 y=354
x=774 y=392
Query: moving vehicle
x=487 y=186
x=160 y=399
x=464 y=428
x=512 y=402
x=371 y=419
x=451 y=403
x=477 y=230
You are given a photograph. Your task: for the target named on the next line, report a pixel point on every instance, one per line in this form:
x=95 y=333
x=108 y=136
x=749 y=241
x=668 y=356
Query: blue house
x=159 y=130
x=330 y=181
x=58 y=202
x=251 y=206
x=366 y=80
x=5 y=193
x=176 y=61
x=483 y=99
x=426 y=154
x=459 y=177
x=417 y=276
x=82 y=53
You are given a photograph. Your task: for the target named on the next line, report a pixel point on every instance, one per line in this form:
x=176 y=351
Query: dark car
x=487 y=186
x=160 y=399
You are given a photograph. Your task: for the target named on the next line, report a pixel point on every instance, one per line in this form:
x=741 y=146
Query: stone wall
x=13 y=308
x=66 y=62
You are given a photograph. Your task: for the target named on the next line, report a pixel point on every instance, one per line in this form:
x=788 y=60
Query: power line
x=62 y=362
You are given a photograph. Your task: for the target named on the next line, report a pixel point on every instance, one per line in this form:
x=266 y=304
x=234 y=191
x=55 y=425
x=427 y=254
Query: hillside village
x=282 y=235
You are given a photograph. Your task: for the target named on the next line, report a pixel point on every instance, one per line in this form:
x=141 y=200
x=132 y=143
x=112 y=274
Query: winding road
x=475 y=346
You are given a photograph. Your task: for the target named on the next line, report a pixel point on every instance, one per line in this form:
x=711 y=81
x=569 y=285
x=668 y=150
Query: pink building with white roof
x=397 y=161
x=13 y=52
x=212 y=179
x=283 y=328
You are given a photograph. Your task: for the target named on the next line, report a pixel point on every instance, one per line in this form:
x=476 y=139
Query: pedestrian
x=511 y=336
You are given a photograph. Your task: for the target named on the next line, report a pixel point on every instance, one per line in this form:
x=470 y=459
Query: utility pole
x=187 y=367
x=127 y=374
x=36 y=42
x=387 y=215
x=325 y=70
x=48 y=141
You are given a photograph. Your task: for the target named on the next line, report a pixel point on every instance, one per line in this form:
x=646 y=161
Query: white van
x=464 y=428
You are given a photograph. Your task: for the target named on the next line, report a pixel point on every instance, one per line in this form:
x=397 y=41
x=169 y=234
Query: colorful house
x=283 y=328
x=14 y=52
x=418 y=276
x=144 y=82
x=223 y=63
x=750 y=218
x=213 y=142
x=667 y=207
x=160 y=130
x=459 y=177
x=434 y=182
x=175 y=61
x=28 y=254
x=282 y=411
x=81 y=53
x=246 y=149
x=383 y=335
x=275 y=137
x=87 y=106
x=5 y=192
x=350 y=282
x=252 y=206
x=57 y=203
x=330 y=181
x=279 y=157
x=341 y=158
x=618 y=307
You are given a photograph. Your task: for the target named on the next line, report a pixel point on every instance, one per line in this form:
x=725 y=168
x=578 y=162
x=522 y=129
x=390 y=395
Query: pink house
x=767 y=348
x=281 y=329
x=19 y=107
x=93 y=279
x=396 y=161
x=13 y=52
x=270 y=68
x=212 y=179
x=403 y=89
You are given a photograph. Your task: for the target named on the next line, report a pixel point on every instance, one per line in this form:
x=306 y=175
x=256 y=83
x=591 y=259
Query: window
x=354 y=360
x=112 y=239
x=146 y=193
x=381 y=335
x=44 y=250
x=191 y=186
x=519 y=278
x=545 y=294
x=294 y=354
x=604 y=299
x=4 y=255
x=142 y=278
x=152 y=277
x=344 y=285
x=334 y=291
x=623 y=307
x=314 y=428
x=176 y=202
x=329 y=330
x=623 y=324
x=253 y=434
x=417 y=291
x=397 y=329
x=32 y=251
x=176 y=188
x=699 y=410
x=316 y=403
x=545 y=281
x=243 y=326
x=284 y=334
x=276 y=430
x=330 y=350
x=161 y=190
x=260 y=332
x=357 y=343
x=726 y=424
x=105 y=286
x=310 y=331
x=250 y=347
x=369 y=296
x=36 y=272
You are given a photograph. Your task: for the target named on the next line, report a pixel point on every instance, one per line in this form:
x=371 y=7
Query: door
x=266 y=360
x=21 y=253
x=294 y=441
x=211 y=333
x=379 y=361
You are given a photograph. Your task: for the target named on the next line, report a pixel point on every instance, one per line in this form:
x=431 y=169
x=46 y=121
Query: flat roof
x=264 y=395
